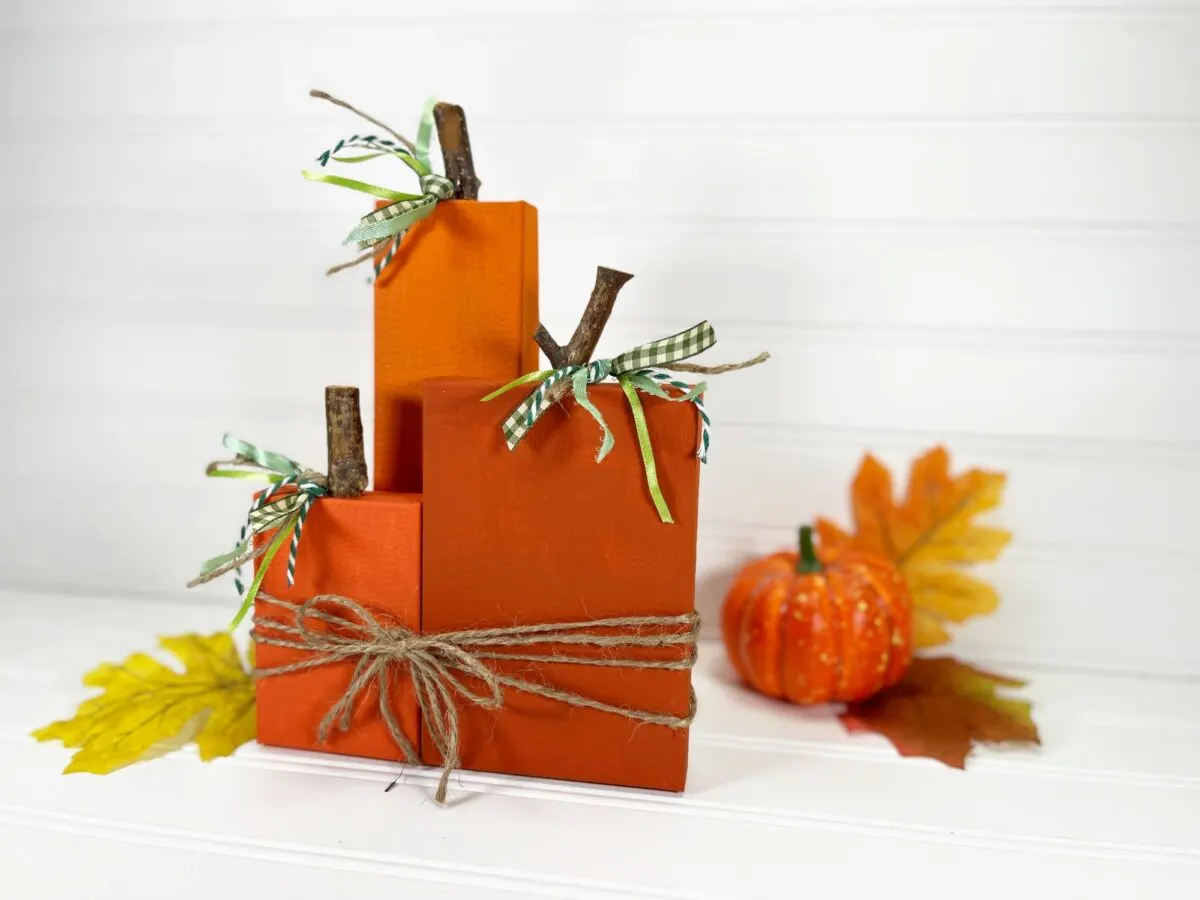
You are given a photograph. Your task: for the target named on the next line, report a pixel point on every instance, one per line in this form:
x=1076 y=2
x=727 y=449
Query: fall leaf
x=941 y=709
x=930 y=535
x=148 y=709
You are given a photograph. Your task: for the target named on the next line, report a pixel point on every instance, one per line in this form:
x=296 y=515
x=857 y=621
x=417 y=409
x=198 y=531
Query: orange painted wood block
x=460 y=298
x=544 y=534
x=368 y=549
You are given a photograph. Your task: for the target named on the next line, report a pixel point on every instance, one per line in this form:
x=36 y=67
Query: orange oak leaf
x=941 y=709
x=930 y=535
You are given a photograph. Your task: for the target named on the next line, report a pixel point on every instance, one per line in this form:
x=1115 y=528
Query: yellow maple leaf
x=930 y=535
x=147 y=709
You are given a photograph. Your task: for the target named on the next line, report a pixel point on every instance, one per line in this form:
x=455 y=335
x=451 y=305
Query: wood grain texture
x=346 y=452
x=455 y=141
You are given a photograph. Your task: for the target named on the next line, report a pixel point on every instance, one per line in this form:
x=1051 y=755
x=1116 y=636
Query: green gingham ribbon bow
x=269 y=511
x=635 y=370
x=389 y=223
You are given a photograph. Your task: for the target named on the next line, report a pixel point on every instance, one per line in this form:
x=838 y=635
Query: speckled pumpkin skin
x=841 y=634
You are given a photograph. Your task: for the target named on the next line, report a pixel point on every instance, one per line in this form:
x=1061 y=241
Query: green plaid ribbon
x=269 y=511
x=390 y=223
x=635 y=372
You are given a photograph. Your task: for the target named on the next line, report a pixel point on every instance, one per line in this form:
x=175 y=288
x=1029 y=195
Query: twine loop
x=446 y=666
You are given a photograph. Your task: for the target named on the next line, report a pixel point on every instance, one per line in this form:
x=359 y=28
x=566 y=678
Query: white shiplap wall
x=974 y=222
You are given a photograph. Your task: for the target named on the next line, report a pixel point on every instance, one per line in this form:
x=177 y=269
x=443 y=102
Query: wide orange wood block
x=368 y=549
x=544 y=534
x=460 y=298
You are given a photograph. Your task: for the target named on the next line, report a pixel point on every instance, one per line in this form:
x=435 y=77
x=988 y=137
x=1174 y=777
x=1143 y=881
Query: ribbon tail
x=265 y=459
x=368 y=232
x=579 y=388
x=361 y=186
x=643 y=436
x=281 y=538
x=425 y=134
x=216 y=470
x=518 y=382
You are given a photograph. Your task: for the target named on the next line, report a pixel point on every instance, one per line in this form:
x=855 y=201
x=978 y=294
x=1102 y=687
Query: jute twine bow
x=388 y=224
x=438 y=662
x=268 y=511
x=635 y=370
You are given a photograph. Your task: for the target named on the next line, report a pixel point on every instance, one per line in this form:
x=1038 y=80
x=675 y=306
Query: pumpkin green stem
x=808 y=562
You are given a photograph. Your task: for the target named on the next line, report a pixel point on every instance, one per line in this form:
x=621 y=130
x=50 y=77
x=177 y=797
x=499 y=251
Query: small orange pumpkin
x=813 y=632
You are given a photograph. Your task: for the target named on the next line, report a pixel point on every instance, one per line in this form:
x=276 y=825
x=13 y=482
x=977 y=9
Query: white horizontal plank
x=874 y=382
x=1110 y=499
x=1138 y=716
x=1095 y=175
x=1062 y=496
x=1090 y=607
x=34 y=847
x=865 y=382
x=1094 y=728
x=1082 y=610
x=776 y=784
x=1010 y=283
x=29 y=14
x=503 y=837
x=1123 y=64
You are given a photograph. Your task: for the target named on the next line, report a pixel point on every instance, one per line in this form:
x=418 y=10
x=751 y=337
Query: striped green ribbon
x=635 y=371
x=389 y=224
x=269 y=511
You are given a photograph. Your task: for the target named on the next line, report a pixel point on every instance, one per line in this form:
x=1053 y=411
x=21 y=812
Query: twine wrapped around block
x=437 y=661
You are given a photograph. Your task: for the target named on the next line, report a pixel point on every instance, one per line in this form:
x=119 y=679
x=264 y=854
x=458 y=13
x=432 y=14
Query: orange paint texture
x=460 y=298
x=368 y=549
x=544 y=534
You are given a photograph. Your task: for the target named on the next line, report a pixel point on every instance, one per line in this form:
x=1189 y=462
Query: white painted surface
x=780 y=802
x=975 y=222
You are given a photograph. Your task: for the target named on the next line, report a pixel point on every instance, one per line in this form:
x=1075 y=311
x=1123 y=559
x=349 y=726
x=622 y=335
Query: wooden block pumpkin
x=456 y=288
x=460 y=298
x=545 y=534
x=367 y=548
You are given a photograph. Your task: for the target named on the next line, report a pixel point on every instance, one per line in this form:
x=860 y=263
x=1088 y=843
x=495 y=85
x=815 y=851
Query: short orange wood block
x=368 y=549
x=460 y=298
x=544 y=534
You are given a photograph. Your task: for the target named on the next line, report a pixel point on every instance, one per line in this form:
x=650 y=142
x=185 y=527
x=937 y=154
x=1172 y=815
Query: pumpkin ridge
x=748 y=610
x=839 y=646
x=900 y=609
x=883 y=603
x=782 y=650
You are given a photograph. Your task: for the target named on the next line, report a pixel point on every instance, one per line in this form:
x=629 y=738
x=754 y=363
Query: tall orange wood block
x=544 y=534
x=460 y=298
x=368 y=549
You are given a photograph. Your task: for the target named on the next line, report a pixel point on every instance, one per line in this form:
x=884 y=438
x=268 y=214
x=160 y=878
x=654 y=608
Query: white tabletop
x=780 y=802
